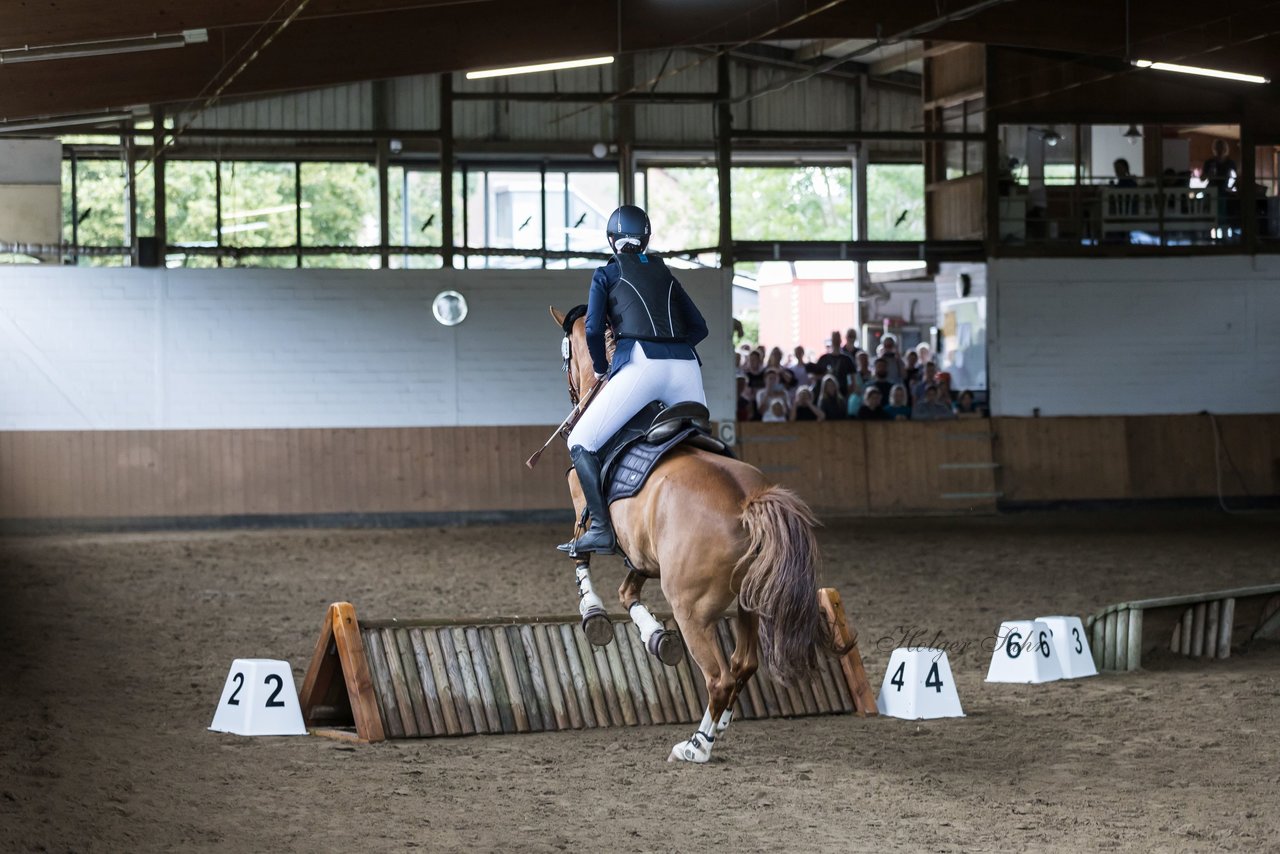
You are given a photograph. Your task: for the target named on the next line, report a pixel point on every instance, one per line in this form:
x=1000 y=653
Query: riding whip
x=568 y=422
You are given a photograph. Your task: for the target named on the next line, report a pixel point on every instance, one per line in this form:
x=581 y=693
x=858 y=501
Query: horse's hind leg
x=700 y=635
x=663 y=643
x=744 y=662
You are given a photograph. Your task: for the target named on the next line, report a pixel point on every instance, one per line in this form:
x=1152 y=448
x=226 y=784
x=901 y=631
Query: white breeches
x=636 y=383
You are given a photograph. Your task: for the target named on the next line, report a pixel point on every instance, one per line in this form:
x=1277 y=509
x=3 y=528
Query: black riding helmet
x=628 y=229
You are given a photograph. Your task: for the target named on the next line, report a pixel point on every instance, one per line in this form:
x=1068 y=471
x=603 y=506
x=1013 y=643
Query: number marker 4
x=1025 y=651
x=1072 y=646
x=918 y=685
x=259 y=698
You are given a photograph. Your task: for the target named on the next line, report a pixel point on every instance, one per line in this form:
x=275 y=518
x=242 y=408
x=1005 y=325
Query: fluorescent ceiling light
x=63 y=122
x=545 y=66
x=1202 y=72
x=109 y=47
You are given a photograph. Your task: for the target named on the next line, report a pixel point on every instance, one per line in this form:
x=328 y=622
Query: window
x=683 y=204
x=793 y=203
x=339 y=205
x=895 y=201
x=191 y=202
x=578 y=208
x=258 y=207
x=413 y=207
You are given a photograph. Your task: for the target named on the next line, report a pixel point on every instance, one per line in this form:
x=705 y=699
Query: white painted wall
x=1134 y=336
x=178 y=349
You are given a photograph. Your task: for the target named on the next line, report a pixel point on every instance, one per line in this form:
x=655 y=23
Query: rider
x=655 y=328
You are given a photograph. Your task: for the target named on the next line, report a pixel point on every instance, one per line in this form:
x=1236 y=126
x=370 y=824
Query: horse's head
x=577 y=359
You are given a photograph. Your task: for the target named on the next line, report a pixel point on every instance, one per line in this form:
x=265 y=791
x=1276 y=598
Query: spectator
x=777 y=410
x=775 y=358
x=804 y=409
x=881 y=379
x=925 y=352
x=898 y=409
x=930 y=378
x=871 y=409
x=913 y=369
x=755 y=370
x=746 y=401
x=851 y=348
x=771 y=388
x=944 y=390
x=1124 y=178
x=1219 y=171
x=929 y=408
x=830 y=401
x=966 y=407
x=897 y=369
x=836 y=363
x=798 y=366
x=789 y=383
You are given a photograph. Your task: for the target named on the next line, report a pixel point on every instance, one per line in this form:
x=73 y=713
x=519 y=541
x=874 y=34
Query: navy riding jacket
x=602 y=281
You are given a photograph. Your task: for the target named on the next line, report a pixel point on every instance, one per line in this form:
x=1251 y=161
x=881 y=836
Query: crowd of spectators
x=847 y=382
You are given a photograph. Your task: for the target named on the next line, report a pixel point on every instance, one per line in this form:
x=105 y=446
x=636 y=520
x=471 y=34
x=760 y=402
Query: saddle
x=634 y=451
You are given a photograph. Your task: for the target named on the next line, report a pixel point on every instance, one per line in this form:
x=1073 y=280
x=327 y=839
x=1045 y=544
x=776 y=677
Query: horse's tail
x=781 y=582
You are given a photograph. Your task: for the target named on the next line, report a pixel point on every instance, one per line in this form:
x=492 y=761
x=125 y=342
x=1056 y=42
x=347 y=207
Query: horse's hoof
x=597 y=627
x=667 y=646
x=694 y=750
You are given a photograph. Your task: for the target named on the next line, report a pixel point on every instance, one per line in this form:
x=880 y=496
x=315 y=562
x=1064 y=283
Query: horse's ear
x=557 y=315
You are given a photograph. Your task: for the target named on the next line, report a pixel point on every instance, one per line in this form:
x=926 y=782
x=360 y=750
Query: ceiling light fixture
x=1133 y=135
x=63 y=122
x=108 y=47
x=1051 y=137
x=1201 y=72
x=544 y=66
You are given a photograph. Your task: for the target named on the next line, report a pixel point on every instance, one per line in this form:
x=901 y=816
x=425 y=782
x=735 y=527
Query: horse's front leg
x=595 y=620
x=663 y=643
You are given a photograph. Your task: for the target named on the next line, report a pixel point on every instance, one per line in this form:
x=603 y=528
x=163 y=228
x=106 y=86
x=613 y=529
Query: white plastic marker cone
x=918 y=685
x=259 y=699
x=1072 y=646
x=1024 y=653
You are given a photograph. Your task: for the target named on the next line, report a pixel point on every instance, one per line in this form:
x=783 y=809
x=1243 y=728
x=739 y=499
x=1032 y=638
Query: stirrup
x=574 y=547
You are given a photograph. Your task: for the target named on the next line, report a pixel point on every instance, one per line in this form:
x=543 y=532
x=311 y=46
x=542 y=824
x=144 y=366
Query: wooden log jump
x=1201 y=625
x=371 y=681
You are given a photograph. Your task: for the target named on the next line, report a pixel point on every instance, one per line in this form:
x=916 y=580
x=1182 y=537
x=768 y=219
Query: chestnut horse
x=712 y=529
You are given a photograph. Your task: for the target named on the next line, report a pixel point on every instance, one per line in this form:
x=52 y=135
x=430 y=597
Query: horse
x=711 y=529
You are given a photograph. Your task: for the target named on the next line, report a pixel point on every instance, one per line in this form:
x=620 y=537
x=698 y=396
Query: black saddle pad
x=630 y=468
x=628 y=458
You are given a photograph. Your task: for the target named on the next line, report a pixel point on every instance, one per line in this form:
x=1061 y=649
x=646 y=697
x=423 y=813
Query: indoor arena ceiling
x=328 y=42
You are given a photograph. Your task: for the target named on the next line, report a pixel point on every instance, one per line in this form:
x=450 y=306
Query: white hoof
x=695 y=749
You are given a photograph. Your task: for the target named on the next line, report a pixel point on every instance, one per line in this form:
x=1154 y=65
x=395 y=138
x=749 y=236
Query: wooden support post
x=864 y=698
x=340 y=657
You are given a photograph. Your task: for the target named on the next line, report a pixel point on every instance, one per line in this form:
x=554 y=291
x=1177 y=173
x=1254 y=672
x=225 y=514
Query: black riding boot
x=599 y=537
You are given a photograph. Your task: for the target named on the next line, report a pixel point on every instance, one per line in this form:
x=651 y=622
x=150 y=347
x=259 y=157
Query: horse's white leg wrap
x=698 y=747
x=587 y=598
x=726 y=718
x=644 y=620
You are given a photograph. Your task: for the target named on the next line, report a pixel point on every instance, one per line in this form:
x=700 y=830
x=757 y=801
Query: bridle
x=566 y=353
x=566 y=356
